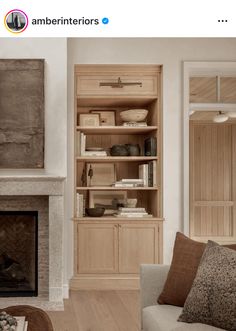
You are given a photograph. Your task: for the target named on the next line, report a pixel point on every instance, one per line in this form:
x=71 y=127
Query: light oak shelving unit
x=108 y=250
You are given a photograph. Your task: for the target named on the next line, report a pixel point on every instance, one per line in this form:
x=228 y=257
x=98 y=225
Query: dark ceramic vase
x=133 y=149
x=119 y=150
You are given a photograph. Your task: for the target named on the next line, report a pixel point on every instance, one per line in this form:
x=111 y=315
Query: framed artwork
x=110 y=200
x=107 y=118
x=21 y=114
x=100 y=174
x=89 y=119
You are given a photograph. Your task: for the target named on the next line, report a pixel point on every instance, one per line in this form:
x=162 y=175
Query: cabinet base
x=104 y=283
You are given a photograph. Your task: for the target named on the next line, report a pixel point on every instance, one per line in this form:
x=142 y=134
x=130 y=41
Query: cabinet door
x=138 y=243
x=97 y=248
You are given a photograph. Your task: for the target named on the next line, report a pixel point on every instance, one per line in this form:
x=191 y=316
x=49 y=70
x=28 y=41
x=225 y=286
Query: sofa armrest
x=152 y=280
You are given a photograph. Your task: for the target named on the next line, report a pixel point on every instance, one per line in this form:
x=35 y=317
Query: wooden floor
x=99 y=311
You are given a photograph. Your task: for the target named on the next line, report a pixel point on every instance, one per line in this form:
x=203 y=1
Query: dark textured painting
x=21 y=114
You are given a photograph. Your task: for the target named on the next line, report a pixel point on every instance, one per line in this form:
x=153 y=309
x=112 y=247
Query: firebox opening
x=18 y=253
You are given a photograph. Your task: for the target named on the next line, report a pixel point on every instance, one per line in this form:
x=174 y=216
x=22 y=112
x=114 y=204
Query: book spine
x=143 y=173
x=154 y=173
x=135 y=180
x=78 y=143
x=79 y=205
x=150 y=174
x=126 y=209
x=82 y=143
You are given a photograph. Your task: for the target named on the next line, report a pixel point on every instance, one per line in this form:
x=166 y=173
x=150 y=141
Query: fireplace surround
x=46 y=194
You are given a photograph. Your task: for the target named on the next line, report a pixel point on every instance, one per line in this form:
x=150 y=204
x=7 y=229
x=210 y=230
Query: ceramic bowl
x=133 y=115
x=95 y=212
x=131 y=203
x=119 y=150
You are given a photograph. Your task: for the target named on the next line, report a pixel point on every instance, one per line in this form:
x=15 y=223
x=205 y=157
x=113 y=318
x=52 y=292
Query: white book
x=133 y=213
x=26 y=326
x=123 y=185
x=143 y=173
x=134 y=209
x=95 y=153
x=132 y=180
x=20 y=323
x=134 y=216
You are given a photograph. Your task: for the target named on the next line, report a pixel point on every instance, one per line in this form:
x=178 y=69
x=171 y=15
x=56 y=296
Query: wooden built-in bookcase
x=109 y=250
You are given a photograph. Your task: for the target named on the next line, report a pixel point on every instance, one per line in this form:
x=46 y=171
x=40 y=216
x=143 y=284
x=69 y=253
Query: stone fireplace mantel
x=53 y=187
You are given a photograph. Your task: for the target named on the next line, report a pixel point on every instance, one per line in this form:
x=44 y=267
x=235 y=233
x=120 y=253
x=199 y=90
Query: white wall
x=171 y=52
x=54 y=51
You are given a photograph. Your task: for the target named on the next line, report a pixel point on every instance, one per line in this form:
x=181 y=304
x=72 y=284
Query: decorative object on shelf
x=119 y=150
x=90 y=174
x=95 y=212
x=150 y=146
x=83 y=176
x=100 y=174
x=133 y=115
x=89 y=119
x=107 y=118
x=131 y=203
x=133 y=149
x=110 y=200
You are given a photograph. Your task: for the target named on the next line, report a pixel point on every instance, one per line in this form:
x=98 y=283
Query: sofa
x=155 y=317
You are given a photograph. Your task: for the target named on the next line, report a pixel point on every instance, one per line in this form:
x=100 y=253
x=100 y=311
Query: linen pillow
x=187 y=254
x=212 y=299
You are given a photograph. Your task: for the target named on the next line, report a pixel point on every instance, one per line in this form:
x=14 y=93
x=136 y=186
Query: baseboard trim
x=65 y=291
x=103 y=283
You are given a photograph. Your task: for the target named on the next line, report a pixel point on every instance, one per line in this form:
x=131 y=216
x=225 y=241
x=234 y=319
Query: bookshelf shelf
x=107 y=130
x=109 y=188
x=116 y=158
x=116 y=219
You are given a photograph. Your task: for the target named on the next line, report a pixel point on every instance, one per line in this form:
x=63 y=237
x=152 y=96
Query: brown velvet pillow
x=187 y=254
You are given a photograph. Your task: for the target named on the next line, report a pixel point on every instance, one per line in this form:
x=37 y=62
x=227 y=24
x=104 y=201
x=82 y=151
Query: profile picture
x=16 y=21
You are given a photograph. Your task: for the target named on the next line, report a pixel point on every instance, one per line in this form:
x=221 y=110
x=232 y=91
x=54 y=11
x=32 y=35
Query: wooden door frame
x=198 y=69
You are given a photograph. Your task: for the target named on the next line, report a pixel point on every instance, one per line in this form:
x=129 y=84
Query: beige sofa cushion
x=164 y=318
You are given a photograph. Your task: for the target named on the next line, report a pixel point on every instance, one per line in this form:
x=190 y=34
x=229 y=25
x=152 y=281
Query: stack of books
x=147 y=172
x=22 y=324
x=129 y=182
x=136 y=124
x=81 y=147
x=132 y=212
x=80 y=205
